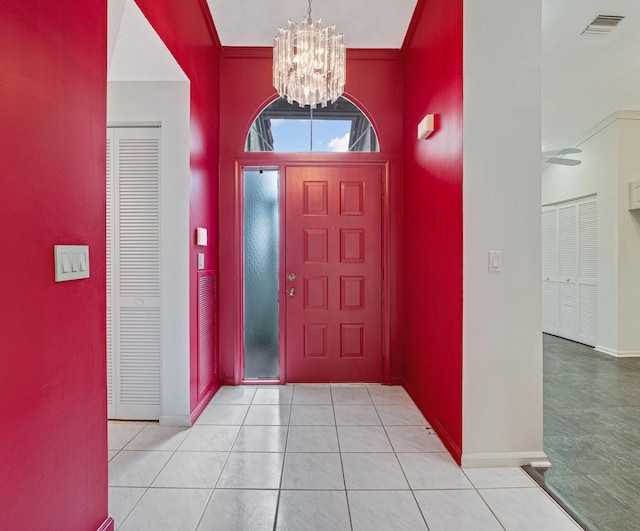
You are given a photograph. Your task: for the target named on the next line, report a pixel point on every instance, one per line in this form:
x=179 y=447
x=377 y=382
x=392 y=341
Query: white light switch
x=200 y=261
x=495 y=261
x=71 y=262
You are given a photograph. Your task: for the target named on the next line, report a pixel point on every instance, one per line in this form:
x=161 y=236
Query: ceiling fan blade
x=565 y=151
x=564 y=162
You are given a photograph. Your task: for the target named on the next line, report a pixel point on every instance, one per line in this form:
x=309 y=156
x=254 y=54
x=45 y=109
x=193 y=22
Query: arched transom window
x=338 y=127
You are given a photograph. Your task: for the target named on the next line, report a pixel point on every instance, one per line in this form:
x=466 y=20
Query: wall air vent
x=603 y=25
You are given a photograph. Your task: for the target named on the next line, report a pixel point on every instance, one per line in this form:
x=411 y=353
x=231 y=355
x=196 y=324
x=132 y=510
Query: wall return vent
x=603 y=25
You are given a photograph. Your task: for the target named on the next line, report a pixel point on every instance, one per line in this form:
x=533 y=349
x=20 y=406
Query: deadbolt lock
x=292 y=276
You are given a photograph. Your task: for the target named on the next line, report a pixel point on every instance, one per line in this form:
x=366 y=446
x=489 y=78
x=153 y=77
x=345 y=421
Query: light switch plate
x=71 y=262
x=200 y=261
x=495 y=261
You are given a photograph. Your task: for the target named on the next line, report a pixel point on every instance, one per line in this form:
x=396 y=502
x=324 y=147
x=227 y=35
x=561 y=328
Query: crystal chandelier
x=309 y=63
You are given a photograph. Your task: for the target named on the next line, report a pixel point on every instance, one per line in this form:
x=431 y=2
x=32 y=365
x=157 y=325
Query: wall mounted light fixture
x=201 y=236
x=426 y=126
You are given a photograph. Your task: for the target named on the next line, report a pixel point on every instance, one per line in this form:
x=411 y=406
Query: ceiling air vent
x=603 y=25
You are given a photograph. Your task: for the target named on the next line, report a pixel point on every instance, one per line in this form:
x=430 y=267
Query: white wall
x=629 y=231
x=596 y=175
x=610 y=160
x=502 y=339
x=147 y=85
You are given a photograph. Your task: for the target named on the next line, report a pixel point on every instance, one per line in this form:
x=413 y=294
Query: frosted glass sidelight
x=261 y=244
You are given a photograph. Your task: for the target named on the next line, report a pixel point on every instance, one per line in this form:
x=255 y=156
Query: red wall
x=188 y=32
x=433 y=217
x=53 y=436
x=374 y=83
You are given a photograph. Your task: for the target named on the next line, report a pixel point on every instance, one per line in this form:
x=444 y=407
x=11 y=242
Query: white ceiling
x=585 y=79
x=364 y=23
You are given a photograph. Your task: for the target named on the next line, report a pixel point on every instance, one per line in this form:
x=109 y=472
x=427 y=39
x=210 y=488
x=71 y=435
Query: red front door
x=333 y=274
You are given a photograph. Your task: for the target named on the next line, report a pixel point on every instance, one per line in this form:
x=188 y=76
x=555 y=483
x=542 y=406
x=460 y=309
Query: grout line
x=284 y=458
x=344 y=478
x=483 y=500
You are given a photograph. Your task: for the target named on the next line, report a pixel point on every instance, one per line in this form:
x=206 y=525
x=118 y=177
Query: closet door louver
x=568 y=272
x=135 y=260
x=588 y=271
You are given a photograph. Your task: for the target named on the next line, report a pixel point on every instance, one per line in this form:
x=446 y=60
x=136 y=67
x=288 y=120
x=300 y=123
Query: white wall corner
x=502 y=329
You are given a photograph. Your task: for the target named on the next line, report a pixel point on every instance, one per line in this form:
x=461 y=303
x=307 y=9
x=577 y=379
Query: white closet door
x=135 y=264
x=550 y=270
x=588 y=272
x=568 y=272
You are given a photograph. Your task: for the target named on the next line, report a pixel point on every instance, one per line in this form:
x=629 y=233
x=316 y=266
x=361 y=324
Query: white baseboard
x=537 y=459
x=618 y=353
x=175 y=420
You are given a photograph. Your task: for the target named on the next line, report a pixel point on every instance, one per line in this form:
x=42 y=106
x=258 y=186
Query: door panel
x=333 y=275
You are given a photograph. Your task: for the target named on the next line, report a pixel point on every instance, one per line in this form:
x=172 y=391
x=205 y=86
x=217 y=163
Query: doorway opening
x=312 y=273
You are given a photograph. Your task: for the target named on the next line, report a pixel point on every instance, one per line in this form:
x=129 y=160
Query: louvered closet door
x=135 y=264
x=550 y=270
x=568 y=272
x=588 y=272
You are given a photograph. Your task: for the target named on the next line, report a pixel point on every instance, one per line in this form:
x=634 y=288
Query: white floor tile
x=407 y=415
x=120 y=432
x=268 y=415
x=191 y=470
x=240 y=510
x=111 y=454
x=362 y=439
x=156 y=437
x=281 y=395
x=312 y=471
x=223 y=414
x=527 y=510
x=251 y=471
x=122 y=500
x=167 y=510
x=203 y=438
x=312 y=395
x=456 y=510
x=313 y=511
x=373 y=471
x=312 y=416
x=261 y=439
x=496 y=478
x=414 y=439
x=350 y=396
x=239 y=394
x=384 y=511
x=312 y=439
x=356 y=416
x=136 y=469
x=433 y=471
x=394 y=395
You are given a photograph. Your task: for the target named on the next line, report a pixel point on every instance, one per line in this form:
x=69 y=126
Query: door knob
x=292 y=292
x=292 y=276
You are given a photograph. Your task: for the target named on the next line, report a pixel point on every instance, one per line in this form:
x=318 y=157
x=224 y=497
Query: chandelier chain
x=309 y=12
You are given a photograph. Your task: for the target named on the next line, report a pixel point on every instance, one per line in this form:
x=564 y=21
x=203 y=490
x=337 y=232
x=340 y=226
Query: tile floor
x=592 y=434
x=311 y=457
